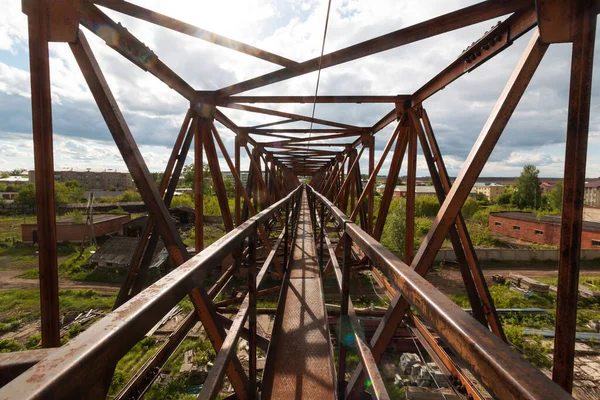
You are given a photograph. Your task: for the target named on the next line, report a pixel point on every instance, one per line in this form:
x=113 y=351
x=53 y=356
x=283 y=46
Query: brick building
x=546 y=187
x=591 y=195
x=546 y=230
x=69 y=231
x=93 y=180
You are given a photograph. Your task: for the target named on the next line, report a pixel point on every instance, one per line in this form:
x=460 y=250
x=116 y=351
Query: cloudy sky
x=293 y=29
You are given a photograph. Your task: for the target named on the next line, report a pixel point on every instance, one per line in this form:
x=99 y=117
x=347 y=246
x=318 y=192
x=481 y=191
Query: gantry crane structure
x=263 y=226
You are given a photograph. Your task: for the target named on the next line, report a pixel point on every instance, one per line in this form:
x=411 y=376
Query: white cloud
x=294 y=30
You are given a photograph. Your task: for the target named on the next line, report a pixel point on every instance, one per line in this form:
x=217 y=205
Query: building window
x=538 y=232
x=498 y=223
x=516 y=227
x=596 y=243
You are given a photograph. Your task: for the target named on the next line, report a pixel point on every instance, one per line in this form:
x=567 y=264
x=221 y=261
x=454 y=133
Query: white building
x=591 y=197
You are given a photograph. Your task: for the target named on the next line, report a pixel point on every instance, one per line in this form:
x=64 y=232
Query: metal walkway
x=300 y=361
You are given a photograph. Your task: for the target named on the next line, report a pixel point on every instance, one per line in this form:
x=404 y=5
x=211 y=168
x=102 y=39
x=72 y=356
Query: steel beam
x=445 y=23
x=43 y=151
x=133 y=10
x=578 y=120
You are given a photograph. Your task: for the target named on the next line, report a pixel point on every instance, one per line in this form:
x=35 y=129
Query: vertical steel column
x=286 y=240
x=41 y=112
x=238 y=186
x=343 y=321
x=411 y=164
x=252 y=242
x=582 y=62
x=215 y=172
x=199 y=184
x=371 y=188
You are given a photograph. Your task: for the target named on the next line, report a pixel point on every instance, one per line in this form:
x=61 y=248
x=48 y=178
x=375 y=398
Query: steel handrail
x=73 y=370
x=501 y=369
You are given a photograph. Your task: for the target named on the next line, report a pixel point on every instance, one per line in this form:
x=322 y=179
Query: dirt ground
x=9 y=280
x=449 y=280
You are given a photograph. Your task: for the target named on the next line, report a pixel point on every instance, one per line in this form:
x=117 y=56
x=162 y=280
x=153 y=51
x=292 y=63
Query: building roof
x=418 y=189
x=15 y=179
x=593 y=184
x=75 y=169
x=97 y=218
x=547 y=184
x=119 y=250
x=421 y=189
x=487 y=184
x=545 y=219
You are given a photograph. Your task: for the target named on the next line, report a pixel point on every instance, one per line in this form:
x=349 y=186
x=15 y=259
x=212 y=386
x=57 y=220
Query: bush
x=10 y=345
x=532 y=347
x=426 y=206
x=183 y=200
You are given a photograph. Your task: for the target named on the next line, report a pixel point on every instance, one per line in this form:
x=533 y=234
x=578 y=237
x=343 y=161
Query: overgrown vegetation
x=73 y=267
x=64 y=193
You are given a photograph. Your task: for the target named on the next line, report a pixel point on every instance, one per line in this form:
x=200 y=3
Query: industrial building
x=71 y=229
x=544 y=230
x=93 y=180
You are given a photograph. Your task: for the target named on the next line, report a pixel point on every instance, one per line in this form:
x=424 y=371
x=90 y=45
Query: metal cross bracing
x=262 y=242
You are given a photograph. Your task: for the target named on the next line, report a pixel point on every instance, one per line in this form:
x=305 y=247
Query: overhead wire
x=319 y=74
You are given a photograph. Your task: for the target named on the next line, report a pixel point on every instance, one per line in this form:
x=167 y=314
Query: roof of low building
x=544 y=219
x=15 y=179
x=593 y=184
x=487 y=184
x=119 y=250
x=421 y=189
x=97 y=218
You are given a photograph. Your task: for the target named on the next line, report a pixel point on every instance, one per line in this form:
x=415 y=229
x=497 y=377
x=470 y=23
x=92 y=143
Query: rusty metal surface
x=501 y=369
x=302 y=363
x=578 y=124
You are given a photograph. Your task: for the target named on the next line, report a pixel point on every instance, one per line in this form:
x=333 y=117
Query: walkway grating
x=300 y=351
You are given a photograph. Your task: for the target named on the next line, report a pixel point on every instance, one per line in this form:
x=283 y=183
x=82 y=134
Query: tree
x=527 y=189
x=207 y=182
x=555 y=197
x=64 y=193
x=157 y=177
x=187 y=176
x=26 y=195
x=504 y=198
x=395 y=227
x=469 y=208
x=229 y=187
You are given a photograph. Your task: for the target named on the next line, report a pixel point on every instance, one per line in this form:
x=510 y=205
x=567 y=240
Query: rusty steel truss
x=261 y=241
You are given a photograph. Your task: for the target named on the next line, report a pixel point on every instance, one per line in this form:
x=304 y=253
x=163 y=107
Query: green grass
x=212 y=233
x=10 y=229
x=18 y=256
x=24 y=304
x=73 y=268
x=176 y=389
x=131 y=362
